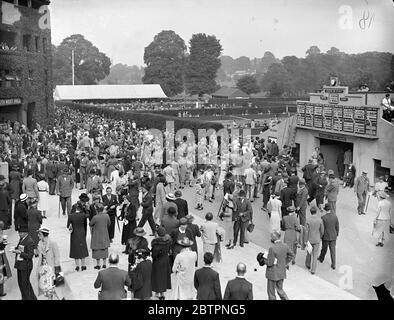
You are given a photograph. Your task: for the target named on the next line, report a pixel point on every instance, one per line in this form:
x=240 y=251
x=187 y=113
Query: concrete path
x=300 y=284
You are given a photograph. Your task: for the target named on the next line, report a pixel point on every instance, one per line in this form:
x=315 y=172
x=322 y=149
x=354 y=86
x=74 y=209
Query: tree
x=276 y=77
x=313 y=51
x=124 y=74
x=333 y=51
x=165 y=60
x=266 y=62
x=242 y=63
x=90 y=64
x=203 y=63
x=248 y=84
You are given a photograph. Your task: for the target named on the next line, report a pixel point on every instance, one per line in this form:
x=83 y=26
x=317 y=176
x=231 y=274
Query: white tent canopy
x=109 y=92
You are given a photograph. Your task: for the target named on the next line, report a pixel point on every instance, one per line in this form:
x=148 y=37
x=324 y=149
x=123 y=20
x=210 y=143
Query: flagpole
x=72 y=62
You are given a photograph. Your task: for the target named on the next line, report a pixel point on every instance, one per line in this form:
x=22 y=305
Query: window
x=27 y=42
x=23 y=3
x=8 y=79
x=18 y=78
x=30 y=77
x=44 y=45
x=35 y=4
x=37 y=43
x=7 y=40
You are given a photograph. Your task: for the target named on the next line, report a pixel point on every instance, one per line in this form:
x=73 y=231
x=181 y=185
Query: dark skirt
x=127 y=232
x=100 y=253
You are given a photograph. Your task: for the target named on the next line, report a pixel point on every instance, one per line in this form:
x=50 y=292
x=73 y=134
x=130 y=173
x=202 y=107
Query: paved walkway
x=299 y=285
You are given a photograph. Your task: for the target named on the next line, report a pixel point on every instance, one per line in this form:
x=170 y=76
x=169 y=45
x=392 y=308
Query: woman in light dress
x=274 y=208
x=228 y=208
x=114 y=179
x=184 y=268
x=383 y=218
x=43 y=189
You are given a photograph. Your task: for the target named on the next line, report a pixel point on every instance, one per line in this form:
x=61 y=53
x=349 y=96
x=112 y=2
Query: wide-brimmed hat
x=189 y=218
x=84 y=197
x=43 y=229
x=291 y=209
x=23 y=197
x=139 y=232
x=183 y=221
x=170 y=196
x=185 y=242
x=275 y=235
x=382 y=194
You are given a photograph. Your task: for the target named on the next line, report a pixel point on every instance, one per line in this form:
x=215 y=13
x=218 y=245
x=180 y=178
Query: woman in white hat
x=226 y=216
x=48 y=265
x=384 y=218
x=184 y=268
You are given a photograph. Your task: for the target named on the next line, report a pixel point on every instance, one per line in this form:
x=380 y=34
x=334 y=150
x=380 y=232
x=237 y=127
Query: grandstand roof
x=226 y=92
x=109 y=92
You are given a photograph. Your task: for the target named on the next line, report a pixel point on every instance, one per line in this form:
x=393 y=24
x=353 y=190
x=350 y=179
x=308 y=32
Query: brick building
x=26 y=90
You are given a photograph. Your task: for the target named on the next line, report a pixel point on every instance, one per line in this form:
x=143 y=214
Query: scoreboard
x=350 y=120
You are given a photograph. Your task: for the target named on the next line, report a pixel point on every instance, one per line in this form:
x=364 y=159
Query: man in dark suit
x=242 y=215
x=51 y=174
x=278 y=258
x=228 y=184
x=183 y=209
x=309 y=170
x=331 y=232
x=24 y=263
x=110 y=202
x=112 y=281
x=239 y=288
x=288 y=196
x=38 y=168
x=147 y=208
x=206 y=281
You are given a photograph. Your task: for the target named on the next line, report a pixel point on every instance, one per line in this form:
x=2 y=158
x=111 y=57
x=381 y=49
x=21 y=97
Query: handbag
x=282 y=225
x=250 y=227
x=392 y=228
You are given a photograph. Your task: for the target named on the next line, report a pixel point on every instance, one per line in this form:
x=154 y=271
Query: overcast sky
x=123 y=28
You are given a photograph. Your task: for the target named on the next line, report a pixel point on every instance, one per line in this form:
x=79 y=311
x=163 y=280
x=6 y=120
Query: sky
x=123 y=28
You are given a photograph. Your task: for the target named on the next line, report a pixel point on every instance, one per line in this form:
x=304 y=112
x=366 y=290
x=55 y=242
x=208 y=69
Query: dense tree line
x=297 y=76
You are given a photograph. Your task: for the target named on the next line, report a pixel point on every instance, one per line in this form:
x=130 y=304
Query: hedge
x=147 y=120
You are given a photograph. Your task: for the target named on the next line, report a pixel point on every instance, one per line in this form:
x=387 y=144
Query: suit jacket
x=302 y=197
x=283 y=254
x=331 y=226
x=308 y=170
x=332 y=190
x=51 y=170
x=20 y=215
x=64 y=185
x=27 y=254
x=361 y=185
x=147 y=204
x=109 y=203
x=238 y=289
x=112 y=282
x=315 y=229
x=208 y=231
x=38 y=171
x=228 y=186
x=287 y=196
x=207 y=284
x=243 y=211
x=183 y=209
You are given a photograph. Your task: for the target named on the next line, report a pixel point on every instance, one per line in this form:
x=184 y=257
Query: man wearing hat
x=194 y=232
x=5 y=203
x=24 y=262
x=51 y=173
x=170 y=202
x=147 y=207
x=20 y=212
x=64 y=187
x=301 y=201
x=308 y=170
x=331 y=232
x=278 y=258
x=242 y=216
x=331 y=191
x=182 y=206
x=291 y=227
x=315 y=232
x=361 y=188
x=178 y=234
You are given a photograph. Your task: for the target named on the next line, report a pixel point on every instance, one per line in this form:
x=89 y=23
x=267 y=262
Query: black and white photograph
x=205 y=150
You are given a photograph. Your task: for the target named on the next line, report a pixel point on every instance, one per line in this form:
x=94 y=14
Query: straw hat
x=139 y=232
x=185 y=242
